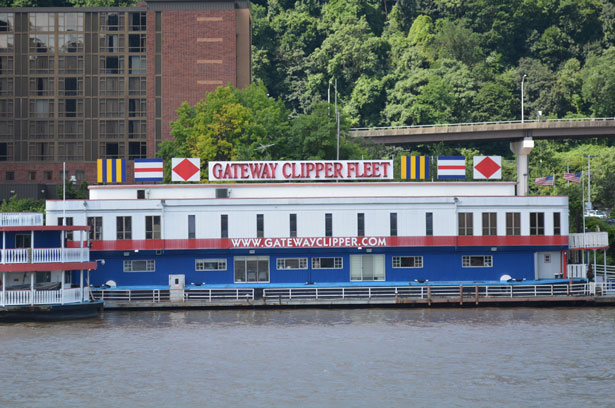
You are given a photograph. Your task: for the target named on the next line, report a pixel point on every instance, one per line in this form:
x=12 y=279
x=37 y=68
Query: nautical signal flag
x=544 y=181
x=451 y=167
x=415 y=167
x=148 y=170
x=184 y=169
x=487 y=167
x=111 y=170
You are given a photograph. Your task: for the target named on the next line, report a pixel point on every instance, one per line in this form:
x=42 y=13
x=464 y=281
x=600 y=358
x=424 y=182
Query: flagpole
x=553 y=183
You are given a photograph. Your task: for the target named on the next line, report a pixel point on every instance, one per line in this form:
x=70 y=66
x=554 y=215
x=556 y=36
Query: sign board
x=301 y=170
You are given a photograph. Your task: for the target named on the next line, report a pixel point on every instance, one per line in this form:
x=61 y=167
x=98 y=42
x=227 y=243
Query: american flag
x=574 y=177
x=544 y=181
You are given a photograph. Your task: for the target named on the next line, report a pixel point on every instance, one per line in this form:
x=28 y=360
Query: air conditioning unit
x=222 y=193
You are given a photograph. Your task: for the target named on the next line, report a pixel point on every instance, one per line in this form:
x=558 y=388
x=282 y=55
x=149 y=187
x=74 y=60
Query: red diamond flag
x=487 y=167
x=186 y=169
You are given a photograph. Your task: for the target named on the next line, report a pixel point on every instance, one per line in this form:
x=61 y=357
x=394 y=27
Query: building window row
x=137 y=265
x=210 y=264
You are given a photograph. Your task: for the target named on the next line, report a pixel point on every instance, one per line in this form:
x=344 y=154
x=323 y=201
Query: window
x=393 y=224
x=7 y=43
x=291 y=263
x=137 y=129
x=95 y=224
x=490 y=225
x=260 y=226
x=429 y=224
x=41 y=151
x=192 y=227
x=111 y=129
x=31 y=175
x=361 y=224
x=223 y=226
x=473 y=261
x=6 y=151
x=111 y=108
x=251 y=269
x=42 y=21
x=513 y=223
x=328 y=225
x=137 y=150
x=111 y=42
x=6 y=65
x=136 y=42
x=69 y=221
x=41 y=86
x=112 y=21
x=137 y=21
x=547 y=258
x=23 y=240
x=9 y=176
x=70 y=129
x=210 y=264
x=407 y=262
x=40 y=64
x=7 y=21
x=366 y=267
x=41 y=108
x=136 y=86
x=124 y=227
x=70 y=65
x=557 y=225
x=145 y=265
x=6 y=108
x=70 y=21
x=137 y=107
x=112 y=150
x=41 y=129
x=110 y=86
x=112 y=65
x=537 y=223
x=70 y=42
x=6 y=86
x=70 y=108
x=293 y=225
x=152 y=227
x=6 y=129
x=327 y=263
x=137 y=64
x=41 y=43
x=70 y=86
x=47 y=175
x=466 y=223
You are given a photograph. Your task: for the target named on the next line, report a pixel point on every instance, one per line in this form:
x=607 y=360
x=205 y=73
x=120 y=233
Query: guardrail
x=163 y=295
x=20 y=219
x=41 y=297
x=503 y=122
x=44 y=255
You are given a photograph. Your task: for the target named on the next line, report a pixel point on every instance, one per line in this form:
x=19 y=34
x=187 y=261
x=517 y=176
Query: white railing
x=467 y=293
x=609 y=272
x=41 y=297
x=588 y=240
x=577 y=271
x=603 y=288
x=44 y=255
x=20 y=219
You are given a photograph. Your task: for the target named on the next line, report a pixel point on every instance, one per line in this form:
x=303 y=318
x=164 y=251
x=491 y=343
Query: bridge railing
x=502 y=122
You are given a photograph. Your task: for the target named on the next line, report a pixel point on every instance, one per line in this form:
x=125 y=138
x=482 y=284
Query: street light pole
x=589 y=181
x=337 y=120
x=522 y=81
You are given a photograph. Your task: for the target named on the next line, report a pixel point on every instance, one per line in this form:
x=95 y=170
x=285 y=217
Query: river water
x=517 y=357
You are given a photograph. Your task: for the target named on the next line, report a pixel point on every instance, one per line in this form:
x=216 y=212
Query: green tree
x=15 y=204
x=599 y=83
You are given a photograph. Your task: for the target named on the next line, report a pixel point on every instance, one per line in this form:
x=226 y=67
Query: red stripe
x=225 y=243
x=450 y=167
x=148 y=169
x=53 y=266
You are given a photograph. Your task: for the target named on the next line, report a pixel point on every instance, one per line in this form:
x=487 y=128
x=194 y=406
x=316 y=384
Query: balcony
x=43 y=297
x=44 y=255
x=20 y=219
x=588 y=240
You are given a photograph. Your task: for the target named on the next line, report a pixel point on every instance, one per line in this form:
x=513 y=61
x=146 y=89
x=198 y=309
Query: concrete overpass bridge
x=521 y=135
x=490 y=131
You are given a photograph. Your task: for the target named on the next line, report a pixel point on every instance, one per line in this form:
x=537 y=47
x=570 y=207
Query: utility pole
x=337 y=119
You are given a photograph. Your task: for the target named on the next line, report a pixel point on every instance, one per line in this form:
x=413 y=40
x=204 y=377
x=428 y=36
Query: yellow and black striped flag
x=111 y=170
x=415 y=167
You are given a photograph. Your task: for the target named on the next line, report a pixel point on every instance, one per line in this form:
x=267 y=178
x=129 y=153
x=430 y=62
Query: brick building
x=78 y=84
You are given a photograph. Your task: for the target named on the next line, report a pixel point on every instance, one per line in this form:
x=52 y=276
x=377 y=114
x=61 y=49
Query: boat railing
x=42 y=297
x=418 y=292
x=44 y=255
x=20 y=219
x=606 y=289
x=588 y=240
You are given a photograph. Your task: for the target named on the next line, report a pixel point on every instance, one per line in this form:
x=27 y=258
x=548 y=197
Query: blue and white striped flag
x=451 y=167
